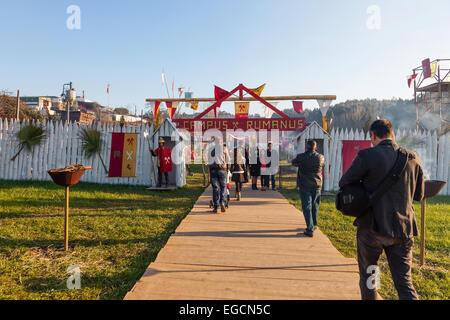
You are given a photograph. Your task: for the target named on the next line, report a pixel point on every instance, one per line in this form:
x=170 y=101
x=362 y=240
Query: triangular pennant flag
x=194 y=105
x=324 y=105
x=298 y=106
x=258 y=90
x=171 y=108
x=156 y=110
x=219 y=93
x=268 y=113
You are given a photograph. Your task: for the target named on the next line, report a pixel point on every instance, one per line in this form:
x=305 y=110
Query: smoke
x=418 y=145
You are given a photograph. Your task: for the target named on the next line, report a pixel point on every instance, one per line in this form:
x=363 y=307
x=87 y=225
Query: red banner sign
x=350 y=149
x=123 y=155
x=292 y=124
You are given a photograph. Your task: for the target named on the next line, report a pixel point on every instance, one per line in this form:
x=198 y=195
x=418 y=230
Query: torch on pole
x=66 y=178
x=432 y=189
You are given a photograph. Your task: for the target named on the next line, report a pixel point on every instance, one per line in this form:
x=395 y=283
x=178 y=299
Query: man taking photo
x=389 y=224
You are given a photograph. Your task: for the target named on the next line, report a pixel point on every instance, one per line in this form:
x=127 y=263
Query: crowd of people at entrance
x=236 y=167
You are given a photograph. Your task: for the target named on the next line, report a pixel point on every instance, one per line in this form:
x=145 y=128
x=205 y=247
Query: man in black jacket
x=309 y=178
x=390 y=224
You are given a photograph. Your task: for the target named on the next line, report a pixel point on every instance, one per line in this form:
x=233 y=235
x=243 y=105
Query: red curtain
x=350 y=149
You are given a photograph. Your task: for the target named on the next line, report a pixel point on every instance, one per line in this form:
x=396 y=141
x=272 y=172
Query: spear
x=151 y=158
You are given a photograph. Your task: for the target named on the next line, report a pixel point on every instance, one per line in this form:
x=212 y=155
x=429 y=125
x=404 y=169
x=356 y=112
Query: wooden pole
x=66 y=221
x=324 y=123
x=279 y=177
x=422 y=233
x=18 y=106
x=204 y=174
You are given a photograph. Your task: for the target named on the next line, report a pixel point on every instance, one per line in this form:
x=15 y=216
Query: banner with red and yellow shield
x=242 y=109
x=122 y=163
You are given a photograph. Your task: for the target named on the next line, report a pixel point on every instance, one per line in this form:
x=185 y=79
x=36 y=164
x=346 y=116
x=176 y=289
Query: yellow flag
x=434 y=67
x=194 y=105
x=129 y=155
x=258 y=90
x=242 y=109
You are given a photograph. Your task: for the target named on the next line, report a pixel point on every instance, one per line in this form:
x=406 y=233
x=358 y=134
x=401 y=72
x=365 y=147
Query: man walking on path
x=309 y=178
x=390 y=223
x=218 y=161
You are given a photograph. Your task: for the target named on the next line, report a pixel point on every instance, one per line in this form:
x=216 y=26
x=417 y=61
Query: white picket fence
x=63 y=147
x=433 y=151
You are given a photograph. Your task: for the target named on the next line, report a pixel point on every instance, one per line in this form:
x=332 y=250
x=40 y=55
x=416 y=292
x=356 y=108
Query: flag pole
x=165 y=82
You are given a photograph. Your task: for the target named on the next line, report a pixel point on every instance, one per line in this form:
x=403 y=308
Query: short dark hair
x=311 y=144
x=382 y=128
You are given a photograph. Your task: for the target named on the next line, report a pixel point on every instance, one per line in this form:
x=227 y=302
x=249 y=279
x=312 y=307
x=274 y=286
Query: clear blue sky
x=296 y=47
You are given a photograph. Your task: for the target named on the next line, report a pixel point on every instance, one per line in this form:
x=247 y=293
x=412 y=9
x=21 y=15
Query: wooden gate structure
x=244 y=94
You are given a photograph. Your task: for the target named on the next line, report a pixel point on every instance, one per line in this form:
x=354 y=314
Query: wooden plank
x=253 y=251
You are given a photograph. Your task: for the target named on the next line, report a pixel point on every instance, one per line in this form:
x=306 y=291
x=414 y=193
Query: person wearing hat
x=164 y=155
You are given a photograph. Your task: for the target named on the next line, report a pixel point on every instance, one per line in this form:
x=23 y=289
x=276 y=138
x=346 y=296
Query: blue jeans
x=219 y=186
x=310 y=207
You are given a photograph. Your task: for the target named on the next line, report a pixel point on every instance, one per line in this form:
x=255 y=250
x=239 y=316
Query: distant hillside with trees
x=359 y=114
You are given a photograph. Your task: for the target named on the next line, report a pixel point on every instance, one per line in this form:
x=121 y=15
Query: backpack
x=354 y=200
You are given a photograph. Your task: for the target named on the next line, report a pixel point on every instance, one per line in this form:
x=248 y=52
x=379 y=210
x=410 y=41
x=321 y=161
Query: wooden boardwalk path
x=256 y=250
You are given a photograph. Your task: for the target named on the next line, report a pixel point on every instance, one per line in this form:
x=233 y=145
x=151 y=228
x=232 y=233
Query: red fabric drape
x=350 y=149
x=115 y=162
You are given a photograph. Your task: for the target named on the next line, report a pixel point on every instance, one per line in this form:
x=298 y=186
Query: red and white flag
x=410 y=79
x=107 y=89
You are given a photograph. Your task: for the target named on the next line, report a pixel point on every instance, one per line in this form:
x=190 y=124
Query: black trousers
x=166 y=176
x=399 y=255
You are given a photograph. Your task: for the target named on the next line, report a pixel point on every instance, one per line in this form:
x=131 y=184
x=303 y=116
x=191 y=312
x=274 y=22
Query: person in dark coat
x=309 y=179
x=238 y=171
x=390 y=224
x=255 y=170
x=269 y=177
x=247 y=163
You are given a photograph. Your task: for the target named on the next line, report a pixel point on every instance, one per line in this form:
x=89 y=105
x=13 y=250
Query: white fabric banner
x=324 y=105
x=268 y=113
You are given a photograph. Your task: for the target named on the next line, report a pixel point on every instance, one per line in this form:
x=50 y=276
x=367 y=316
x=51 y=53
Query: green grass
x=431 y=280
x=115 y=233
